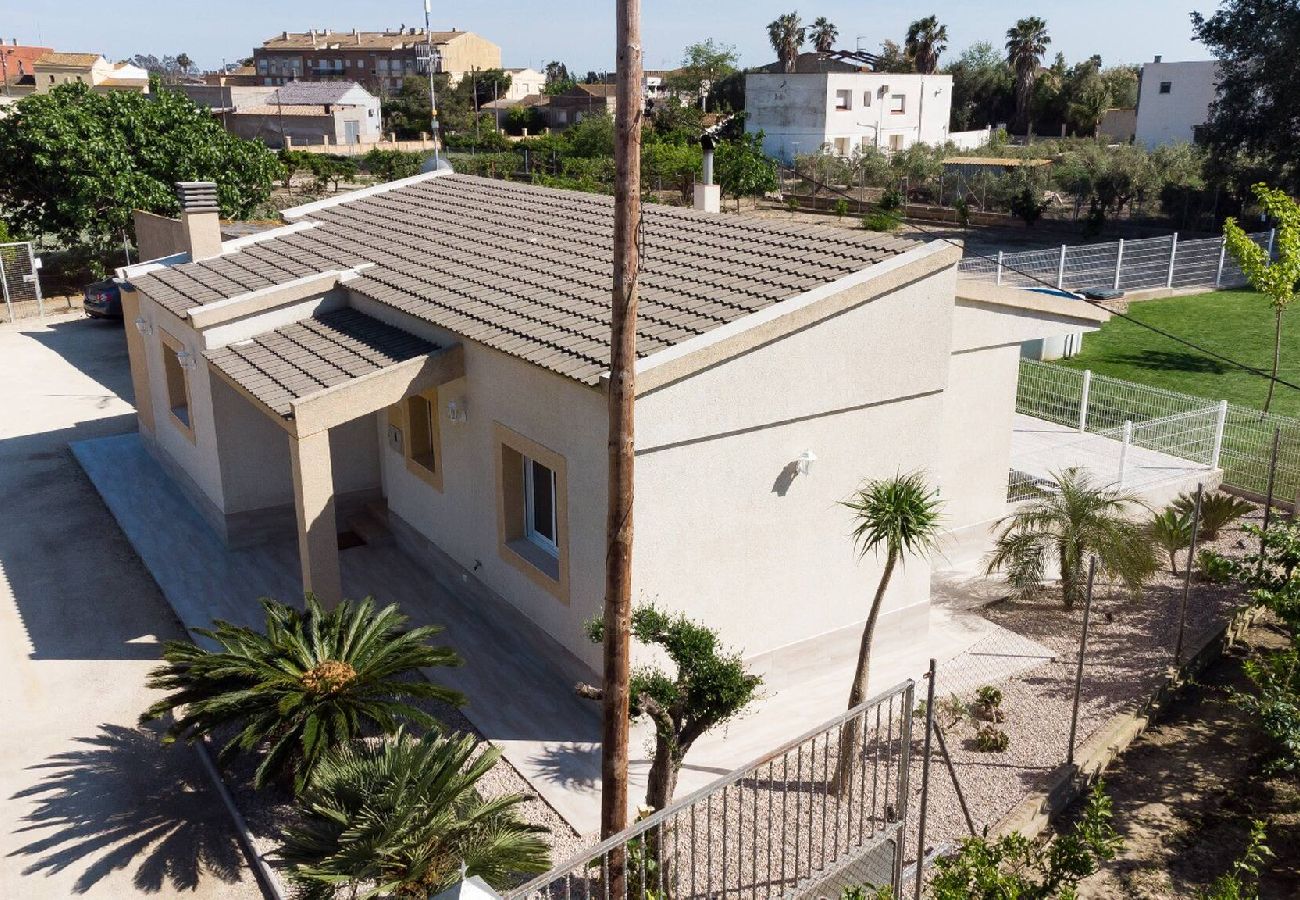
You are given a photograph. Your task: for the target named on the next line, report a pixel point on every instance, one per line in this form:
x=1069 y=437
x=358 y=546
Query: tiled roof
x=301 y=359
x=67 y=59
x=528 y=270
x=277 y=109
x=312 y=93
x=374 y=40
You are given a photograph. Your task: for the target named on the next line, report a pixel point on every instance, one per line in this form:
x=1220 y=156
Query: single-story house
x=306 y=112
x=570 y=107
x=437 y=347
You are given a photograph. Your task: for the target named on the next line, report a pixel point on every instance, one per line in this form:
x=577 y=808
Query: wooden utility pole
x=622 y=394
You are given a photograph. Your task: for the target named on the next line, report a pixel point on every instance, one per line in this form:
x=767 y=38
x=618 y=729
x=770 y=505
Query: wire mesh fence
x=20 y=278
x=1236 y=439
x=829 y=804
x=1134 y=265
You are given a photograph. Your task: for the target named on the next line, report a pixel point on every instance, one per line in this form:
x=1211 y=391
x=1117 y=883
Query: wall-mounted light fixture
x=186 y=359
x=804 y=463
x=143 y=326
x=458 y=410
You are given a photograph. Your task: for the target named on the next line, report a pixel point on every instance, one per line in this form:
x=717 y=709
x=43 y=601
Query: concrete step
x=372 y=527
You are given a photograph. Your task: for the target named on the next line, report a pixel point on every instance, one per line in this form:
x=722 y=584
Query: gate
x=20 y=278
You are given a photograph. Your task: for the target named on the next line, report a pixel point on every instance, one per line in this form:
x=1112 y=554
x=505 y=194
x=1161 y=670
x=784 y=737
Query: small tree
x=710 y=685
x=900 y=514
x=1172 y=531
x=742 y=168
x=1066 y=525
x=1275 y=279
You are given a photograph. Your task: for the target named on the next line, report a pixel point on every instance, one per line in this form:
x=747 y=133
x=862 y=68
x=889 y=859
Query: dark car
x=103 y=300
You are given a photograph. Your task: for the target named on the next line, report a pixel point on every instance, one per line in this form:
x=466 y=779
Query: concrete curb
x=1035 y=813
x=265 y=875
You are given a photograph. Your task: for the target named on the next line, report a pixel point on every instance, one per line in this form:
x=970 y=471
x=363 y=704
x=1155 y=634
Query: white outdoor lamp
x=142 y=325
x=186 y=359
x=804 y=463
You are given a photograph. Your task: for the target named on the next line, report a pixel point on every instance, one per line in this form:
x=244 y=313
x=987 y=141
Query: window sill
x=182 y=424
x=541 y=568
x=431 y=477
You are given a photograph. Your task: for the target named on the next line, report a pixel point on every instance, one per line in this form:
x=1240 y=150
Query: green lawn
x=1238 y=324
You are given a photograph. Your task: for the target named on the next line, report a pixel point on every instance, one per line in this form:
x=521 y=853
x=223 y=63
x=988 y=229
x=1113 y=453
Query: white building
x=843 y=108
x=524 y=82
x=1174 y=100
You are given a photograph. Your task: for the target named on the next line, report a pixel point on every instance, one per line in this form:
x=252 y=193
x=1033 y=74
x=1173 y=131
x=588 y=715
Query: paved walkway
x=91 y=805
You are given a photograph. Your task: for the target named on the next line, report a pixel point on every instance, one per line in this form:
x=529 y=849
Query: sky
x=581 y=34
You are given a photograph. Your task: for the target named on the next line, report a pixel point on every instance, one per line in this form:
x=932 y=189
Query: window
x=843 y=99
x=841 y=146
x=532 y=512
x=866 y=98
x=897 y=104
x=1166 y=87
x=178 y=383
x=423 y=448
x=895 y=142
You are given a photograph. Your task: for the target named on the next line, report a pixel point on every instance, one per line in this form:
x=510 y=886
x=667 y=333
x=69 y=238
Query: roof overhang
x=991 y=315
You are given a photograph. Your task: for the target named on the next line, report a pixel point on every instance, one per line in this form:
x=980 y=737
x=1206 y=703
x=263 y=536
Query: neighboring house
x=435 y=351
x=54 y=69
x=578 y=102
x=1174 y=101
x=832 y=104
x=381 y=60
x=523 y=83
x=1118 y=125
x=307 y=112
x=17 y=72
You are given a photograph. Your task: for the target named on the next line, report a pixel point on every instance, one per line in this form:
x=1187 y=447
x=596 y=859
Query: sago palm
x=787 y=34
x=1065 y=524
x=400 y=817
x=1027 y=41
x=900 y=515
x=313 y=681
x=926 y=40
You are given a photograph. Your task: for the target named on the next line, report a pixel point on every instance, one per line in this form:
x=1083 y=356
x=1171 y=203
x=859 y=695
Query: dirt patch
x=1187 y=790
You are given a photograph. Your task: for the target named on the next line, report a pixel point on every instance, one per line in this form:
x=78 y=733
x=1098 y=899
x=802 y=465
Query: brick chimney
x=200 y=218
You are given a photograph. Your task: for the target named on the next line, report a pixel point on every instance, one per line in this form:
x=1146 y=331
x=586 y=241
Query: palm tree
x=902 y=515
x=401 y=816
x=824 y=34
x=1027 y=41
x=926 y=40
x=787 y=35
x=1065 y=524
x=312 y=682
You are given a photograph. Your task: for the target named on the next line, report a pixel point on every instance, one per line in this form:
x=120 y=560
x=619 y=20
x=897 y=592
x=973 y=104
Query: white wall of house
x=1174 y=100
x=843 y=111
x=523 y=82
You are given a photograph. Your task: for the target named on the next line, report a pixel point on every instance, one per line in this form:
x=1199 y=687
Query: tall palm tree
x=1027 y=41
x=900 y=514
x=1065 y=524
x=926 y=40
x=311 y=682
x=787 y=35
x=824 y=34
x=401 y=817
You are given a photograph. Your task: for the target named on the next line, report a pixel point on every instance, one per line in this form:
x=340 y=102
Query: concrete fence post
x=1173 y=255
x=1119 y=263
x=999 y=275
x=1223 y=257
x=1123 y=450
x=1221 y=420
x=1083 y=399
x=1060 y=270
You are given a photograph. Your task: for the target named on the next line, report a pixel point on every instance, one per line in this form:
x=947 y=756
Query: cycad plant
x=313 y=681
x=1218 y=511
x=1066 y=523
x=401 y=816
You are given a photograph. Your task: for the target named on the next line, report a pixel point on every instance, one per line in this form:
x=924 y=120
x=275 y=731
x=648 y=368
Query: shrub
x=1171 y=531
x=841 y=208
x=1215 y=567
x=792 y=203
x=991 y=739
x=1015 y=866
x=310 y=683
x=891 y=200
x=1218 y=511
x=1027 y=205
x=881 y=220
x=402 y=817
x=988 y=704
x=1242 y=882
x=963 y=212
x=953 y=708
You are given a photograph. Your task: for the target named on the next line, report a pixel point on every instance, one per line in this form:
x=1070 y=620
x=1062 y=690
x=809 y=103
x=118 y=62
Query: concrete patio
x=519 y=680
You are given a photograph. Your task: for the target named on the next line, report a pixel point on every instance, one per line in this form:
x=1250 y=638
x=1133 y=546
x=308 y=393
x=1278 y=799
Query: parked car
x=103 y=300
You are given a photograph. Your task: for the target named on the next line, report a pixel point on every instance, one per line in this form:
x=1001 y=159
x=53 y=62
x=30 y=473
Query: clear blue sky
x=581 y=33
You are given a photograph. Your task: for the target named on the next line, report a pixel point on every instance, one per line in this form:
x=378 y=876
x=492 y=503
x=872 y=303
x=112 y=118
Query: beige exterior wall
x=727 y=530
x=158 y=236
x=467 y=53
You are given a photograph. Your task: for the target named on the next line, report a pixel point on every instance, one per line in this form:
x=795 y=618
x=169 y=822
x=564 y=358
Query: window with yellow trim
x=423 y=447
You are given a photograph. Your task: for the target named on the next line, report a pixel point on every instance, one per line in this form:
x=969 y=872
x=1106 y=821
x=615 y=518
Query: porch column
x=313 y=495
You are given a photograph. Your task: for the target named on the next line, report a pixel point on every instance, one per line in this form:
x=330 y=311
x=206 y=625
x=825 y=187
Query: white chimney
x=200 y=218
x=708 y=196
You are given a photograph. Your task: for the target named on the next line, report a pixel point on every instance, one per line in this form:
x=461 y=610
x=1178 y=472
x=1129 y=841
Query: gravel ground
x=1130 y=649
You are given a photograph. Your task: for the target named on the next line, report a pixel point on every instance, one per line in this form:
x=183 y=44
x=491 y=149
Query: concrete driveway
x=89 y=804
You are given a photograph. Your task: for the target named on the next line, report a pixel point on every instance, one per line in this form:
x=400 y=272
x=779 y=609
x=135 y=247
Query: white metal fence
x=1163 y=262
x=1214 y=435
x=792 y=824
x=20 y=278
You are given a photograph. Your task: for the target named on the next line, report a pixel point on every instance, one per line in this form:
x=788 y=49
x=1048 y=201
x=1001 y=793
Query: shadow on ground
x=171 y=830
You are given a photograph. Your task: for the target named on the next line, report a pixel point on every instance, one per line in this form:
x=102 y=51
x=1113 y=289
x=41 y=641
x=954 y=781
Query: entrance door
x=352 y=132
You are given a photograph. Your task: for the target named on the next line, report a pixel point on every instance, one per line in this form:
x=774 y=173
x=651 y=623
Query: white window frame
x=898 y=104
x=548 y=544
x=843 y=99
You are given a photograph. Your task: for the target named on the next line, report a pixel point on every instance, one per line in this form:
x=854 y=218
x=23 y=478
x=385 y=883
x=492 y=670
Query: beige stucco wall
x=157 y=236
x=468 y=52
x=724 y=528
